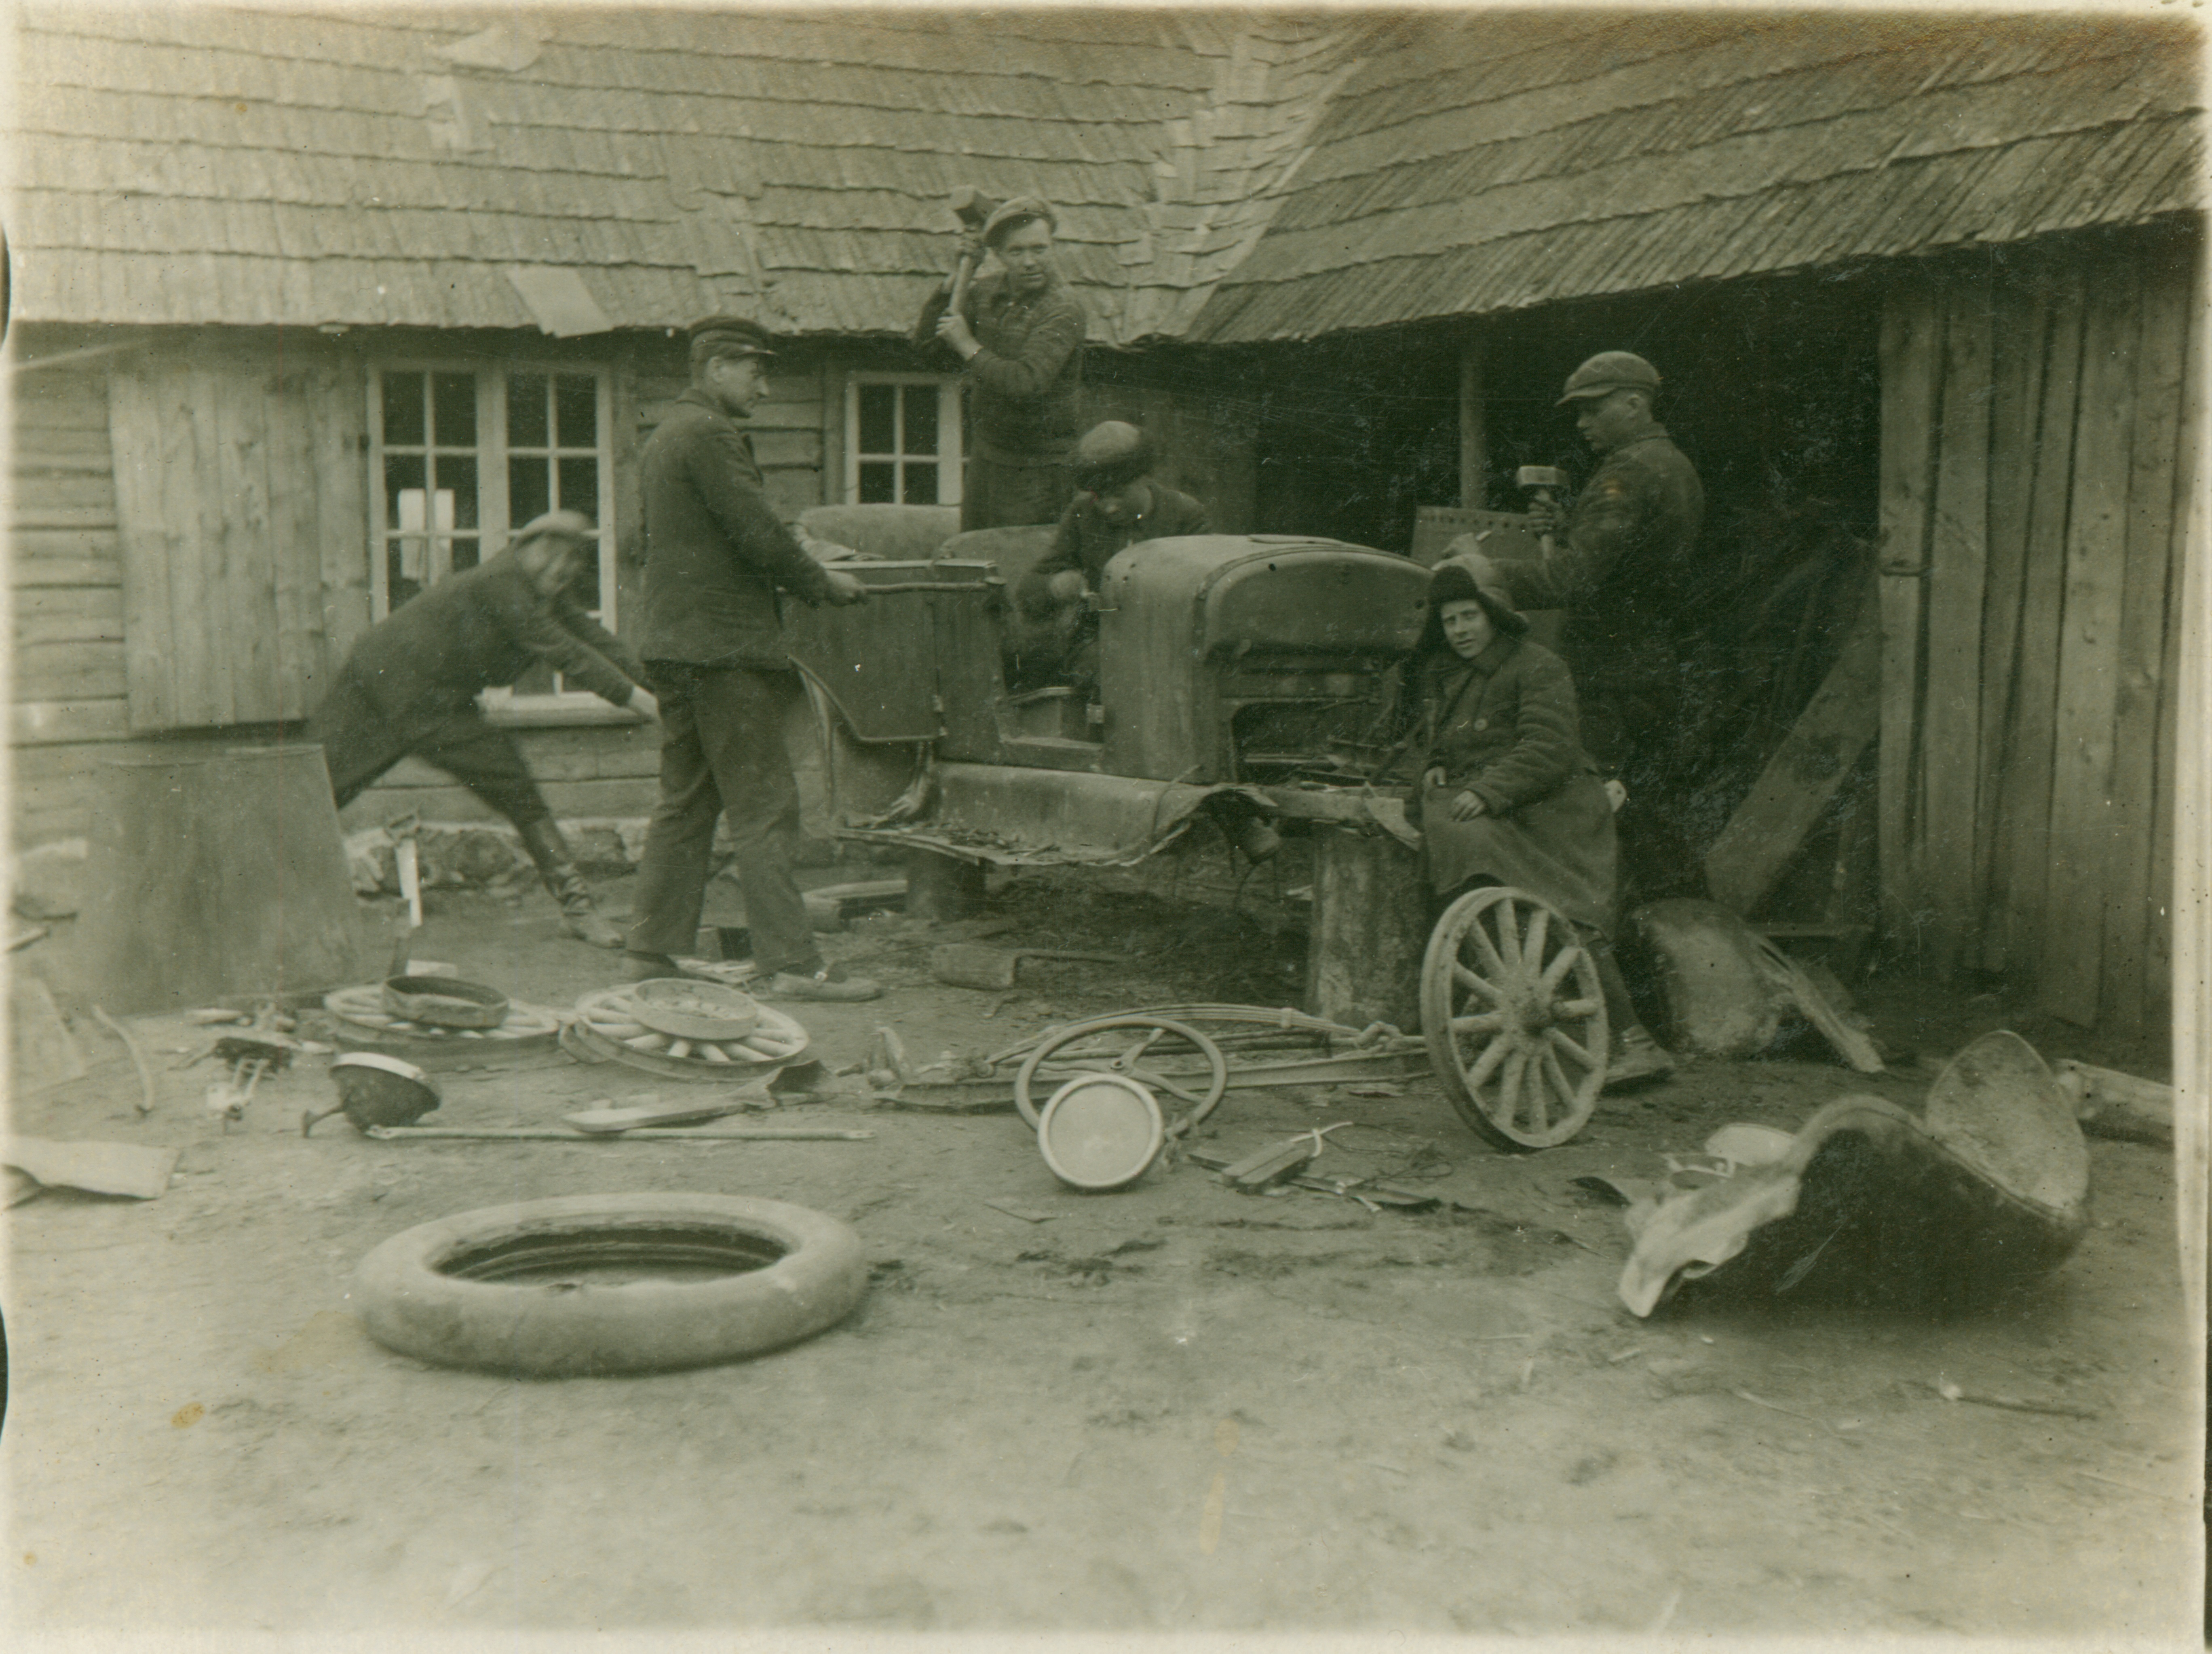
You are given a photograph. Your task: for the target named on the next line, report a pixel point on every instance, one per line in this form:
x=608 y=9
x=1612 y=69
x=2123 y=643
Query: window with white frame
x=462 y=455
x=902 y=440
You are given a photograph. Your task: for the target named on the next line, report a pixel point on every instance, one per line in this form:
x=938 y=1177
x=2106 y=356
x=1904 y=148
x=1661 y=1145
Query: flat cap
x=558 y=525
x=1112 y=454
x=1011 y=216
x=1609 y=371
x=729 y=335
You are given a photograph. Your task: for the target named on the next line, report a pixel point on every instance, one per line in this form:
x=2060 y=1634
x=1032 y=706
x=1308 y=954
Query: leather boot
x=1636 y=1057
x=579 y=917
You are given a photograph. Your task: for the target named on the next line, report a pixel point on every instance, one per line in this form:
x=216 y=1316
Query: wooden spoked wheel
x=1515 y=1019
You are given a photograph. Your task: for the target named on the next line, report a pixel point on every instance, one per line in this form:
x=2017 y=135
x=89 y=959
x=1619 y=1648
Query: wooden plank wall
x=65 y=575
x=241 y=502
x=2039 y=435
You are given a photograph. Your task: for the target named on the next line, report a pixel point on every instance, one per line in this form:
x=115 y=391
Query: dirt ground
x=1176 y=1409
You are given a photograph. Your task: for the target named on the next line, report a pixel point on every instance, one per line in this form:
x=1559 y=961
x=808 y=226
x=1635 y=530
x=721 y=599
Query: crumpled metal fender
x=1018 y=817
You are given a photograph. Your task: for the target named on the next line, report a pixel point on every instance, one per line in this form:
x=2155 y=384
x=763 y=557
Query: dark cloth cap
x=1111 y=454
x=1012 y=214
x=1474 y=576
x=1609 y=371
x=727 y=336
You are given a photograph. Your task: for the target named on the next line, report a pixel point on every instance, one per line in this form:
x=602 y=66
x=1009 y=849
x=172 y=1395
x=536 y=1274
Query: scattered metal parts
x=1135 y=1035
x=549 y=1134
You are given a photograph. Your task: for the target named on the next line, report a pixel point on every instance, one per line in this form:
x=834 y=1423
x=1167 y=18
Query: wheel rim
x=1152 y=1050
x=1515 y=1019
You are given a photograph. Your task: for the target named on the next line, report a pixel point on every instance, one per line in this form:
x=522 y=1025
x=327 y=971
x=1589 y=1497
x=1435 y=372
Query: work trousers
x=361 y=739
x=722 y=753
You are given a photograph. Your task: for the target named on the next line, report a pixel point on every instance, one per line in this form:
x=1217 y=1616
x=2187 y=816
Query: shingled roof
x=192 y=164
x=1223 y=175
x=1492 y=161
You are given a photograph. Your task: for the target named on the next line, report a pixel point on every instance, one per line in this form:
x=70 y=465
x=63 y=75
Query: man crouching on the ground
x=715 y=558
x=410 y=684
x=1116 y=504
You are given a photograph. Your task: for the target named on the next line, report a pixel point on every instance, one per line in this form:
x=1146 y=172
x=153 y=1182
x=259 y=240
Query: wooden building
x=311 y=309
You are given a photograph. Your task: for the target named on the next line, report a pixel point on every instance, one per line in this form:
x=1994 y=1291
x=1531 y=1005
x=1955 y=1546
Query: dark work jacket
x=1025 y=385
x=1502 y=725
x=715 y=552
x=1085 y=542
x=1621 y=569
x=482 y=628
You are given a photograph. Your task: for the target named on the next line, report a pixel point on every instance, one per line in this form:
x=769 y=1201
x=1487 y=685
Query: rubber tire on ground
x=570 y=1329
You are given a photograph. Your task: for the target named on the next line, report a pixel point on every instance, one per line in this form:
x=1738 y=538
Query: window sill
x=557 y=712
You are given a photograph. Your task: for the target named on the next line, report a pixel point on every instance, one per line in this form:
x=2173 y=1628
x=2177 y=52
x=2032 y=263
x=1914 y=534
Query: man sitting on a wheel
x=1506 y=795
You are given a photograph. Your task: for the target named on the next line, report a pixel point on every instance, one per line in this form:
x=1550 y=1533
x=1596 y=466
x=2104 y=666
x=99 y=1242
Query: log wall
x=2039 y=433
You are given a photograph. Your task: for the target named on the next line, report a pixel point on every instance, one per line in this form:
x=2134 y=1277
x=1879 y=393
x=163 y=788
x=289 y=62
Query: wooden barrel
x=216 y=872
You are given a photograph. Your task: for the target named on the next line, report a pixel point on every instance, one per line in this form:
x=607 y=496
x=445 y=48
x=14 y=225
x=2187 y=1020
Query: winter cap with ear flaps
x=1475 y=577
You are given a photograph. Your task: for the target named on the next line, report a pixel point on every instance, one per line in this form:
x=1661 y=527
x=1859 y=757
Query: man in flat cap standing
x=1117 y=503
x=410 y=687
x=1617 y=561
x=1020 y=332
x=716 y=559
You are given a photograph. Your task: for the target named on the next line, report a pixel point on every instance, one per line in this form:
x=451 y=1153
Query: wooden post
x=942 y=887
x=217 y=871
x=1474 y=434
x=1911 y=356
x=1370 y=927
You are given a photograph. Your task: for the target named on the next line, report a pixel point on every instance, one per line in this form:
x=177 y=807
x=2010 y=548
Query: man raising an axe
x=1020 y=333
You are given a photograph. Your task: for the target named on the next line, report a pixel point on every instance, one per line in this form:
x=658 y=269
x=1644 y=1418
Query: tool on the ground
x=375 y=1091
x=1266 y=1167
x=1368 y=1194
x=604 y=1120
x=137 y=1058
x=227 y=1098
x=977 y=964
x=406 y=861
x=546 y=1135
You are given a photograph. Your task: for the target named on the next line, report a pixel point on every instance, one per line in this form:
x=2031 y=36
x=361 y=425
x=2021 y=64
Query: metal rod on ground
x=547 y=1135
x=137 y=1058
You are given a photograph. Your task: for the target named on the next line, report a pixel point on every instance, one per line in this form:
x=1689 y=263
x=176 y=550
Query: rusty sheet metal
x=1010 y=817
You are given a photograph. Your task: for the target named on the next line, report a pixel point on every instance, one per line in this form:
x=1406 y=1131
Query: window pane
x=878 y=415
x=453 y=409
x=921 y=484
x=920 y=431
x=398 y=581
x=525 y=414
x=403 y=474
x=529 y=489
x=879 y=483
x=466 y=555
x=580 y=487
x=579 y=395
x=403 y=410
x=457 y=489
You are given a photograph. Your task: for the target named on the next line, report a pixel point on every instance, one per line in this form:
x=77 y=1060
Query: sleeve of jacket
x=539 y=628
x=716 y=461
x=1547 y=740
x=1190 y=520
x=577 y=619
x=1064 y=553
x=925 y=327
x=1057 y=335
x=1606 y=516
